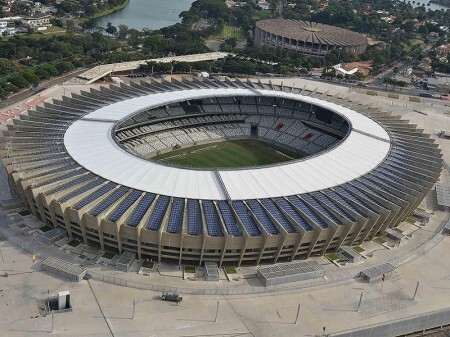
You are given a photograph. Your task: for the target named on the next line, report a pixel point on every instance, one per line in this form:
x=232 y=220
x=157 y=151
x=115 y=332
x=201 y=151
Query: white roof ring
x=90 y=142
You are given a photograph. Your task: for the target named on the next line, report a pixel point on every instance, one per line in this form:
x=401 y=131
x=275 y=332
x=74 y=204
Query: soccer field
x=228 y=154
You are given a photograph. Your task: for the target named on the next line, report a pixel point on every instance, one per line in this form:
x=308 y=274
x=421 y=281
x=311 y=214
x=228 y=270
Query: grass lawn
x=108 y=255
x=111 y=10
x=410 y=220
x=148 y=264
x=189 y=269
x=359 y=249
x=74 y=243
x=379 y=240
x=24 y=213
x=228 y=154
x=398 y=230
x=230 y=270
x=45 y=228
x=332 y=256
x=228 y=32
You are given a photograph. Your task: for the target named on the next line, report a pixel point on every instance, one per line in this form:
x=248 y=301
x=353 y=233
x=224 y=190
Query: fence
x=402 y=326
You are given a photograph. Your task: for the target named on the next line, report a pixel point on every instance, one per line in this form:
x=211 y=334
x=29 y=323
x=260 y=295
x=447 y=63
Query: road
x=22 y=95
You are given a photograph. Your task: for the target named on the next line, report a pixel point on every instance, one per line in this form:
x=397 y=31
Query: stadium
x=309 y=38
x=234 y=172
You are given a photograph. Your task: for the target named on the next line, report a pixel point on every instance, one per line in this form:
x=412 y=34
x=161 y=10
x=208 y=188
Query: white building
x=39 y=21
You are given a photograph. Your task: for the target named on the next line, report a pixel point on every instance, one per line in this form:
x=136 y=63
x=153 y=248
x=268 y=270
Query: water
x=432 y=6
x=152 y=14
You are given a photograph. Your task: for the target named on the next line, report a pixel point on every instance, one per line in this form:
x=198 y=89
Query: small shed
x=446 y=230
x=292 y=272
x=63 y=269
x=395 y=236
x=376 y=273
x=211 y=271
x=125 y=261
x=349 y=254
x=443 y=197
x=421 y=215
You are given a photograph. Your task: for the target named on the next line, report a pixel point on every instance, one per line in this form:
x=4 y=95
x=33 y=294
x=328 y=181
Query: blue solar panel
x=228 y=219
x=71 y=183
x=141 y=209
x=299 y=220
x=158 y=213
x=246 y=219
x=95 y=195
x=336 y=197
x=125 y=205
x=376 y=178
x=330 y=203
x=176 y=216
x=194 y=220
x=82 y=190
x=305 y=209
x=212 y=223
x=351 y=197
x=63 y=177
x=276 y=213
x=321 y=209
x=370 y=189
x=262 y=217
x=58 y=170
x=360 y=194
x=116 y=195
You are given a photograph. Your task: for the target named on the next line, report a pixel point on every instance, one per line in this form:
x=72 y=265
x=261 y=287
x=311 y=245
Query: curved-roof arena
x=71 y=164
x=90 y=141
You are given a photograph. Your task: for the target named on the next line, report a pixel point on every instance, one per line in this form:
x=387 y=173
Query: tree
x=123 y=32
x=110 y=29
x=6 y=66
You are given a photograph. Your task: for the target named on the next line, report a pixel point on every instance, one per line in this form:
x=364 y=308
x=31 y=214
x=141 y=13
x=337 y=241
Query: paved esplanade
x=103 y=70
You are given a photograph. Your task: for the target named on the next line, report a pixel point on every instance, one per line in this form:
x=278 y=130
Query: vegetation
x=410 y=220
x=45 y=228
x=189 y=269
x=230 y=270
x=379 y=240
x=74 y=243
x=332 y=256
x=229 y=154
x=398 y=230
x=148 y=264
x=359 y=249
x=108 y=255
x=24 y=213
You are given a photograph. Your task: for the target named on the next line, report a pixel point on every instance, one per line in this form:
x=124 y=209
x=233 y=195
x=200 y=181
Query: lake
x=432 y=6
x=152 y=14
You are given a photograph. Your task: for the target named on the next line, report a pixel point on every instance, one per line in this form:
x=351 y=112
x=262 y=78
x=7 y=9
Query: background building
x=309 y=38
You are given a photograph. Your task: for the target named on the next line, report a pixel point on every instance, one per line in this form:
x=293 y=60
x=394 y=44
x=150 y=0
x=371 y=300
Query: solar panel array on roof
x=246 y=219
x=276 y=213
x=228 y=219
x=141 y=209
x=262 y=217
x=194 y=220
x=158 y=213
x=110 y=200
x=299 y=220
x=95 y=195
x=176 y=216
x=82 y=190
x=305 y=209
x=212 y=223
x=125 y=205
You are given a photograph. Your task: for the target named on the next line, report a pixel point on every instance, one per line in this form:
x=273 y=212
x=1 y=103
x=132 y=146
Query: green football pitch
x=228 y=154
